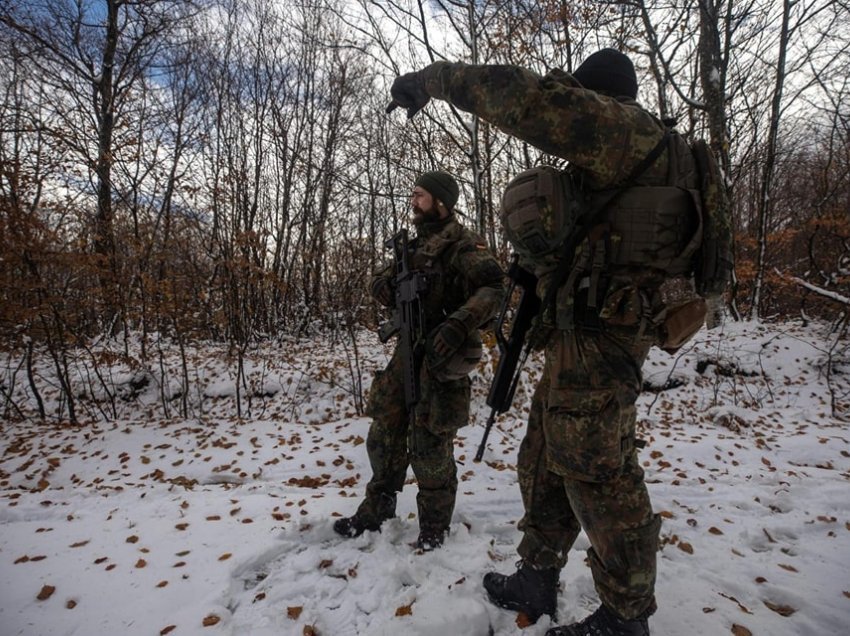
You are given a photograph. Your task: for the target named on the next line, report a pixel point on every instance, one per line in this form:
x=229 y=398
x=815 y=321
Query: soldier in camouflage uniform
x=578 y=467
x=464 y=291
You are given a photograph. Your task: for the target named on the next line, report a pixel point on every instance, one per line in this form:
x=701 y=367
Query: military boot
x=430 y=539
x=369 y=516
x=604 y=622
x=354 y=526
x=529 y=590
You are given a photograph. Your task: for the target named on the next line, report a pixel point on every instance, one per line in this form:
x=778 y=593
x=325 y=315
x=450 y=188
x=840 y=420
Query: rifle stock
x=512 y=356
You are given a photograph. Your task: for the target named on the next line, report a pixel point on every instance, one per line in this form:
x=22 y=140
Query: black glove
x=449 y=337
x=408 y=91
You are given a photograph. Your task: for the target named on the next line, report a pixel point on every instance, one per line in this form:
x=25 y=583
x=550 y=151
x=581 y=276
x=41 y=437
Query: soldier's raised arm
x=602 y=135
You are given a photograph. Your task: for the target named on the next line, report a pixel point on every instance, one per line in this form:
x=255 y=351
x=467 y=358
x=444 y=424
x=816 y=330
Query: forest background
x=177 y=171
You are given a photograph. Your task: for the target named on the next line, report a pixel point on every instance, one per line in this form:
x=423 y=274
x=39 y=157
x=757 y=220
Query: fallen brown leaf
x=294 y=612
x=740 y=630
x=404 y=610
x=46 y=592
x=782 y=610
x=210 y=620
x=523 y=621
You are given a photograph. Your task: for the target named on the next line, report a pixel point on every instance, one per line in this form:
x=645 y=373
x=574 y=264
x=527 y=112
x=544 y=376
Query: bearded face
x=423 y=206
x=425 y=216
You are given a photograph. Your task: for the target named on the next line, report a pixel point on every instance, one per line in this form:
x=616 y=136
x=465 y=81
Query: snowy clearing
x=215 y=524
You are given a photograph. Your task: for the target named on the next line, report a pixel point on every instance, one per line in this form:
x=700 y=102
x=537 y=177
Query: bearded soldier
x=605 y=305
x=464 y=290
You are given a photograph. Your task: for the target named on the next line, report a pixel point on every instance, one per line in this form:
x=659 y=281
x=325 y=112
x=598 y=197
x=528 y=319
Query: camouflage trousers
x=578 y=467
x=427 y=446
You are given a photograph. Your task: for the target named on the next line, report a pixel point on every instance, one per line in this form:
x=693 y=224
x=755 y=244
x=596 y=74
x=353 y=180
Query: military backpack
x=682 y=232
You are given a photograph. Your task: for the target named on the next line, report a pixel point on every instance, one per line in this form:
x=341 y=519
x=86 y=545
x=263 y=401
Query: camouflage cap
x=610 y=72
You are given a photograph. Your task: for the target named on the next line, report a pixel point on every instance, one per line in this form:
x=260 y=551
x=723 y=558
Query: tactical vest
x=643 y=233
x=431 y=257
x=646 y=225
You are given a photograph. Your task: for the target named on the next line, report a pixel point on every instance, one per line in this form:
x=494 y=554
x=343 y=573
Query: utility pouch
x=539 y=211
x=682 y=312
x=682 y=323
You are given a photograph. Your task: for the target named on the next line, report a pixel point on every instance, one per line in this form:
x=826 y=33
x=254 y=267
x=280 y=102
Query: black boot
x=369 y=516
x=430 y=539
x=604 y=622
x=529 y=590
x=354 y=526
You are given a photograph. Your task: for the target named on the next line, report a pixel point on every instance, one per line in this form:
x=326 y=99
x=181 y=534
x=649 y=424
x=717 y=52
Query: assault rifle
x=512 y=356
x=408 y=320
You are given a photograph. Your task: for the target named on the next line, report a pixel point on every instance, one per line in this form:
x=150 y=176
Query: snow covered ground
x=218 y=524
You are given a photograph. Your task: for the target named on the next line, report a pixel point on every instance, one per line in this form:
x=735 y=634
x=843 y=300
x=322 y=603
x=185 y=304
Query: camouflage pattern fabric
x=466 y=284
x=578 y=467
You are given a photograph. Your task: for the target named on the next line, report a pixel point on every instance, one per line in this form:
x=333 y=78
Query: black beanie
x=440 y=185
x=610 y=72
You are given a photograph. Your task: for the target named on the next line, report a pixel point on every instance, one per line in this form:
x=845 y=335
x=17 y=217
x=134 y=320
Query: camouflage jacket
x=604 y=137
x=465 y=279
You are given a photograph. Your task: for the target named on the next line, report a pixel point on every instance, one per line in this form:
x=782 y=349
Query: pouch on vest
x=539 y=211
x=655 y=227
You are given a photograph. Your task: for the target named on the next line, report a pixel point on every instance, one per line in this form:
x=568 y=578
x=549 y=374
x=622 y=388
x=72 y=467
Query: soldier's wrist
x=463 y=319
x=433 y=80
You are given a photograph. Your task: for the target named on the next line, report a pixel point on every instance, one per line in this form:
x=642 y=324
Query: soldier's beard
x=421 y=216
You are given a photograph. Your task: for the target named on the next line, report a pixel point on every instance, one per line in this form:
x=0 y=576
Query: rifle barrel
x=480 y=453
